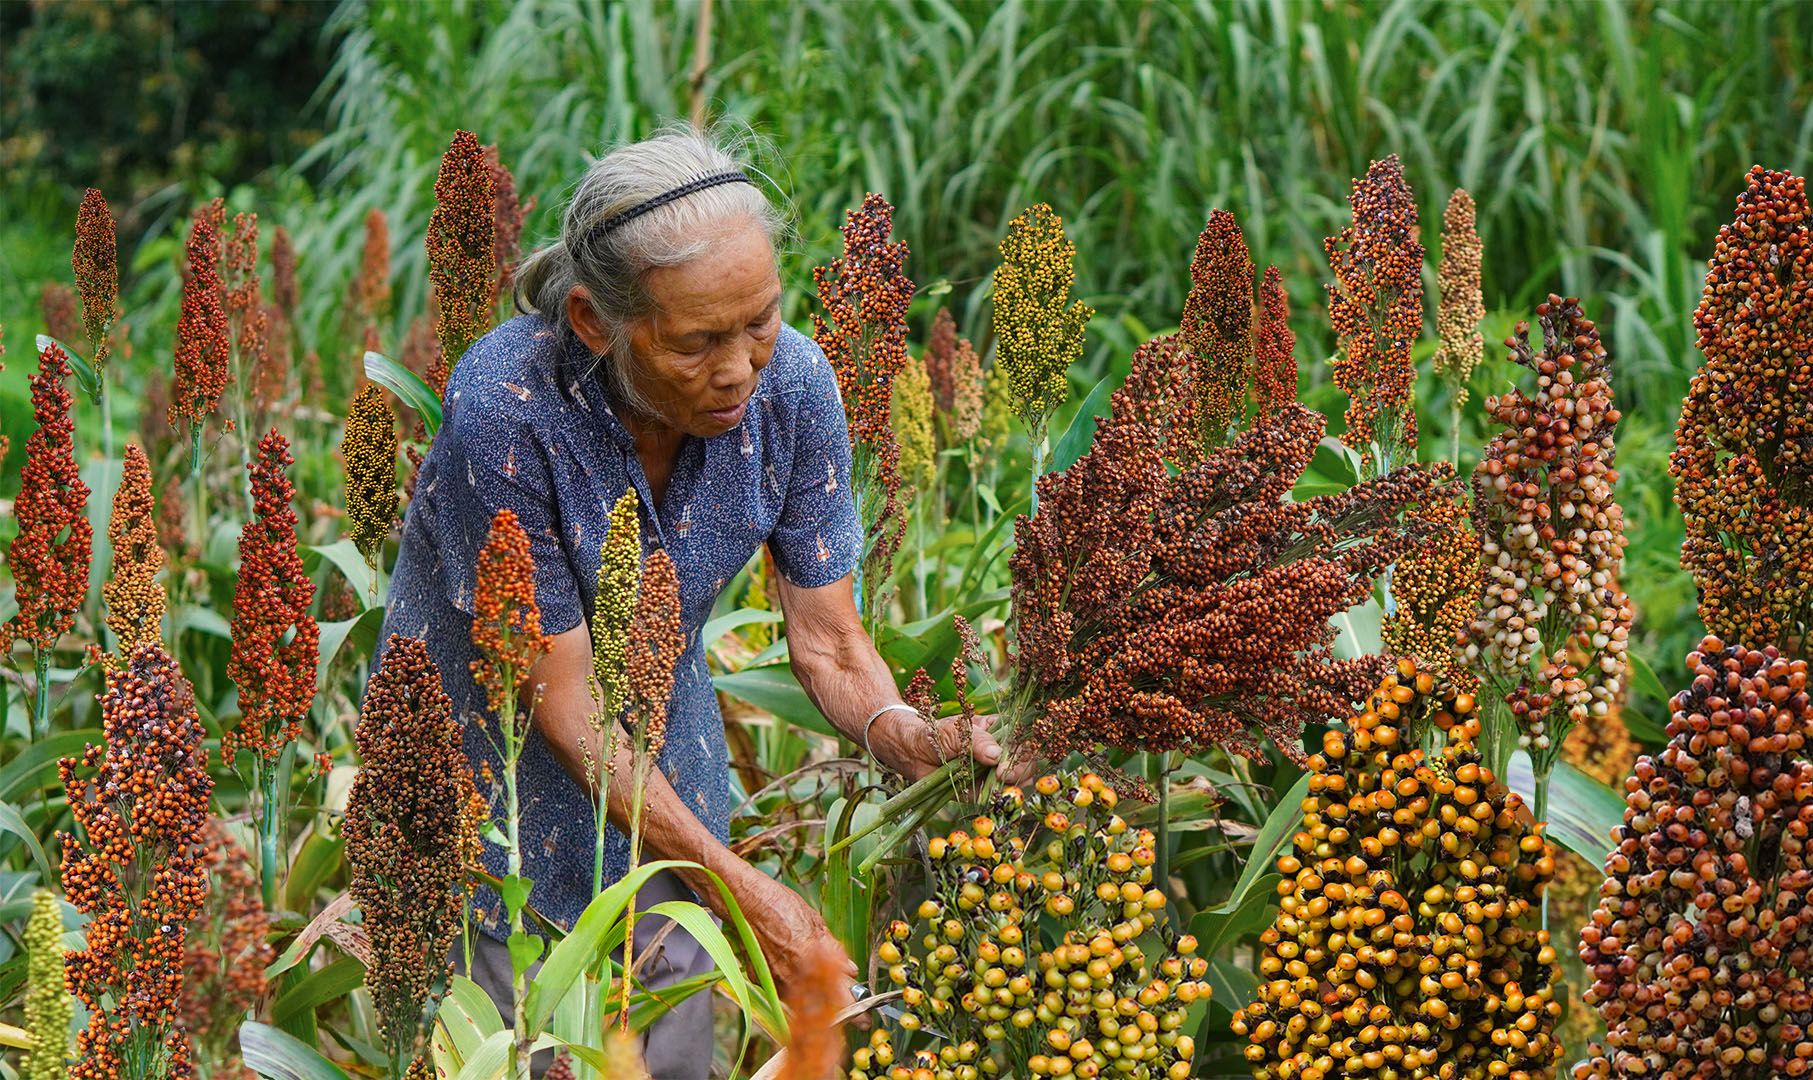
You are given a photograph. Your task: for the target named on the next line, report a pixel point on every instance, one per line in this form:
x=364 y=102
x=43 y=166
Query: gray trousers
x=679 y=1045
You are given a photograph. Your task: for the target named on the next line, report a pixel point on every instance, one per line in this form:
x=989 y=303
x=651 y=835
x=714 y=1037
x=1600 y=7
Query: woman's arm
x=787 y=926
x=848 y=680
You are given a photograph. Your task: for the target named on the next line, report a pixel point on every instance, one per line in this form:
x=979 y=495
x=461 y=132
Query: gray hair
x=614 y=266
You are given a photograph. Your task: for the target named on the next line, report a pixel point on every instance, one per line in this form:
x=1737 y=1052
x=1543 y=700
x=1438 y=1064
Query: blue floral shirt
x=526 y=427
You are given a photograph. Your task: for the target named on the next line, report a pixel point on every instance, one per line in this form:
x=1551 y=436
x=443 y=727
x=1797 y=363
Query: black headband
x=623 y=217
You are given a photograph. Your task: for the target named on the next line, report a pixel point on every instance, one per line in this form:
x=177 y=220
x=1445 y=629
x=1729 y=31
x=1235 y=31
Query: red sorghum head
x=657 y=639
x=203 y=335
x=49 y=558
x=461 y=241
x=1218 y=325
x=1274 y=345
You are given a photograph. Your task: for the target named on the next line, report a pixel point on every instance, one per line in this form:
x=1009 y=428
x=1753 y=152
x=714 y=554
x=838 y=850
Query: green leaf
x=1081 y=432
x=14 y=822
x=513 y=890
x=1280 y=825
x=281 y=1056
x=695 y=920
x=360 y=631
x=986 y=492
x=1582 y=811
x=468 y=1016
x=1230 y=923
x=577 y=951
x=345 y=556
x=489 y=1060
x=741 y=617
x=36 y=765
x=525 y=949
x=775 y=690
x=86 y=377
x=1643 y=678
x=202 y=620
x=317 y=988
x=407 y=386
x=1357 y=630
x=316 y=861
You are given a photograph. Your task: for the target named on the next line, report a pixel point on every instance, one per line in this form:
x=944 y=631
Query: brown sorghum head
x=1551 y=536
x=506 y=620
x=368 y=452
x=369 y=299
x=96 y=262
x=1698 y=946
x=271 y=375
x=409 y=835
x=509 y=212
x=1462 y=305
x=57 y=303
x=1407 y=930
x=203 y=335
x=1743 y=459
x=1274 y=345
x=1376 y=306
x=49 y=557
x=656 y=640
x=940 y=350
x=136 y=871
x=271 y=597
x=462 y=255
x=284 y=291
x=134 y=596
x=1218 y=326
x=226 y=954
x=863 y=330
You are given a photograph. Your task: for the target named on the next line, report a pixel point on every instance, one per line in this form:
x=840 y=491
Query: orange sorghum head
x=461 y=241
x=136 y=870
x=50 y=556
x=1743 y=459
x=370 y=294
x=1274 y=345
x=1376 y=306
x=271 y=597
x=506 y=621
x=409 y=833
x=96 y=262
x=863 y=331
x=203 y=334
x=134 y=596
x=1038 y=329
x=1436 y=589
x=656 y=640
x=1407 y=930
x=1462 y=305
x=1160 y=610
x=1218 y=325
x=368 y=453
x=1698 y=946
x=1551 y=535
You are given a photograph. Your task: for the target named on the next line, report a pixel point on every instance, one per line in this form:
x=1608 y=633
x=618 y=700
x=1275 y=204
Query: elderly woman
x=651 y=356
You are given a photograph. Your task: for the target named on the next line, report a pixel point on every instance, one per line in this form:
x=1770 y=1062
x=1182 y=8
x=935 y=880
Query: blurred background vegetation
x=1604 y=142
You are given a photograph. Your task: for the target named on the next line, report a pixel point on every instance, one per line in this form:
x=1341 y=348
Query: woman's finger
x=954 y=739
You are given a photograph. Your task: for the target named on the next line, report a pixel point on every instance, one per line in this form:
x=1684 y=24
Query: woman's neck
x=657 y=447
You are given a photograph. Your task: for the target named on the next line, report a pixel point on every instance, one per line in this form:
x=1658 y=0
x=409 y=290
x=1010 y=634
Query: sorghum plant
x=462 y=251
x=96 y=262
x=1460 y=309
x=1405 y=942
x=1038 y=329
x=1698 y=947
x=940 y=351
x=1376 y=306
x=912 y=409
x=203 y=336
x=284 y=291
x=137 y=870
x=1552 y=541
x=276 y=643
x=506 y=631
x=57 y=302
x=1037 y=945
x=613 y=618
x=135 y=598
x=996 y=424
x=1743 y=462
x=863 y=335
x=50 y=556
x=508 y=213
x=226 y=956
x=368 y=297
x=369 y=454
x=1218 y=326
x=47 y=1004
x=1274 y=345
x=411 y=831
x=1436 y=590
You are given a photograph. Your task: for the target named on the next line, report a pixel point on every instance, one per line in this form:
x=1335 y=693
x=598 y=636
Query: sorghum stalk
x=50 y=557
x=506 y=630
x=613 y=615
x=47 y=1004
x=275 y=676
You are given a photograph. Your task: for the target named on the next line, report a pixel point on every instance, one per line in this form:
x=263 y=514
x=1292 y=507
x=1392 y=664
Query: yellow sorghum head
x=995 y=425
x=135 y=599
x=369 y=451
x=912 y=409
x=1039 y=330
x=1462 y=307
x=47 y=1002
x=614 y=608
x=1435 y=588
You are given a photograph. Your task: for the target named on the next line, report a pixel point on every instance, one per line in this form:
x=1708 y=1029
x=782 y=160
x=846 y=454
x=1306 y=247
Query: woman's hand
x=793 y=935
x=912 y=747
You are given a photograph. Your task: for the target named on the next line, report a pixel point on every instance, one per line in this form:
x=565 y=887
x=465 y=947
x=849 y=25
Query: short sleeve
x=491 y=464
x=818 y=538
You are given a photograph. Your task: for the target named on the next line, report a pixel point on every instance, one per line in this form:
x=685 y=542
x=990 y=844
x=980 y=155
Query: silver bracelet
x=876 y=715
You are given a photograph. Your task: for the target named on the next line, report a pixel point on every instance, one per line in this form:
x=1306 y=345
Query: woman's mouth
x=731 y=416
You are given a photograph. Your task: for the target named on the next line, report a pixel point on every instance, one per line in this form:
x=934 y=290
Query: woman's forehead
x=734 y=277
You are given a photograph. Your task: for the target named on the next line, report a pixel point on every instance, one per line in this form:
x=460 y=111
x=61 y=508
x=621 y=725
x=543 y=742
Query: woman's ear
x=585 y=322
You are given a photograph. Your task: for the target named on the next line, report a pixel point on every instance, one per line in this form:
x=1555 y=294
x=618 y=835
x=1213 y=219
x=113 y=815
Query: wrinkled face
x=713 y=329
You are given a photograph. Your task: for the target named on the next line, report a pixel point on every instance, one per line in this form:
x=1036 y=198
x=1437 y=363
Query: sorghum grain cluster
x=203 y=335
x=47 y=1003
x=1038 y=328
x=134 y=596
x=1218 y=325
x=656 y=640
x=614 y=609
x=226 y=955
x=912 y=409
x=1699 y=946
x=506 y=620
x=1274 y=345
x=1436 y=589
x=462 y=246
x=96 y=262
x=368 y=452
x=1405 y=944
x=1462 y=306
x=49 y=558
